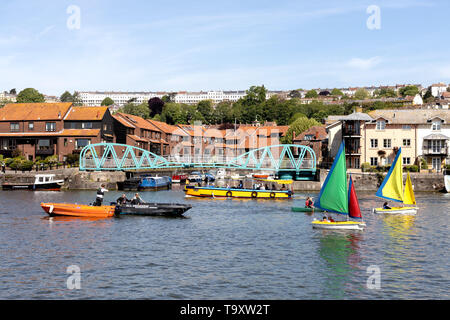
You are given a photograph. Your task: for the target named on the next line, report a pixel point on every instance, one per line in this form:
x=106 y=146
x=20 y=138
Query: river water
x=223 y=249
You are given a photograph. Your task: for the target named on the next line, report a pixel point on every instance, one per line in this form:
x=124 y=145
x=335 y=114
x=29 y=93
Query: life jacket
x=100 y=192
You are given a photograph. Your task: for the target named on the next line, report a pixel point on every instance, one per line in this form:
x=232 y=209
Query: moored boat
x=155 y=183
x=392 y=189
x=447 y=180
x=78 y=210
x=42 y=182
x=214 y=192
x=153 y=209
x=179 y=178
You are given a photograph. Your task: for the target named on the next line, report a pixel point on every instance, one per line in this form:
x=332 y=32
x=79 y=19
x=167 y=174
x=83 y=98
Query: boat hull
x=447 y=183
x=236 y=193
x=397 y=210
x=54 y=186
x=338 y=225
x=301 y=209
x=78 y=210
x=153 y=209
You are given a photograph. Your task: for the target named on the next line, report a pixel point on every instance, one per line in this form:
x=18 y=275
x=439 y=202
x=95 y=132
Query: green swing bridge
x=288 y=159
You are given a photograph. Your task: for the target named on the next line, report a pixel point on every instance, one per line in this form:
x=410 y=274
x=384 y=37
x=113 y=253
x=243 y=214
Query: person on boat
x=137 y=199
x=100 y=193
x=385 y=206
x=122 y=200
x=274 y=187
x=330 y=219
x=241 y=185
x=324 y=219
x=283 y=187
x=309 y=203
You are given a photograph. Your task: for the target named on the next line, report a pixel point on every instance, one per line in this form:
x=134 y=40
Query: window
x=86 y=125
x=387 y=143
x=309 y=137
x=50 y=126
x=406 y=127
x=44 y=144
x=406 y=161
x=30 y=126
x=15 y=127
x=81 y=143
x=381 y=124
x=436 y=125
x=65 y=142
x=407 y=142
x=373 y=161
x=374 y=143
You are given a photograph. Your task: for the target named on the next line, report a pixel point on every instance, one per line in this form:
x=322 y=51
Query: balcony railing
x=351 y=131
x=45 y=151
x=352 y=150
x=435 y=150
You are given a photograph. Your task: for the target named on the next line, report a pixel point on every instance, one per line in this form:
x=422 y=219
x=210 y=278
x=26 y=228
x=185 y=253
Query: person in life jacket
x=309 y=203
x=100 y=193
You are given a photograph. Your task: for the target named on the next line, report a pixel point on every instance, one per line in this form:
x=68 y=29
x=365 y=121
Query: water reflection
x=340 y=252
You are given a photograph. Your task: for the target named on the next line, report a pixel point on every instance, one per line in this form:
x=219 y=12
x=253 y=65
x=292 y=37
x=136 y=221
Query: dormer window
x=436 y=126
x=381 y=124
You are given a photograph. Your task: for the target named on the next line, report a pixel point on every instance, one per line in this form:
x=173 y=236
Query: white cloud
x=363 y=64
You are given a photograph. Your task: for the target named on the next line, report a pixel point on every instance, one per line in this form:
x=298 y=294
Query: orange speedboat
x=78 y=210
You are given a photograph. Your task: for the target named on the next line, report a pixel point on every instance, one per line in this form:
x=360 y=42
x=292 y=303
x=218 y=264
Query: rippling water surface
x=223 y=249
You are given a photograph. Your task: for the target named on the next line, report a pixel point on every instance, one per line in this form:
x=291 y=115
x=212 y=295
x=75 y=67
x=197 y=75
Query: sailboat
x=392 y=189
x=335 y=197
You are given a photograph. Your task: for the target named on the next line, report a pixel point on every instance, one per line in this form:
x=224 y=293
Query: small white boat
x=338 y=225
x=447 y=180
x=45 y=182
x=397 y=210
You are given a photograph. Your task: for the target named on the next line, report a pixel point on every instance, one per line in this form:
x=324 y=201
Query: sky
x=137 y=45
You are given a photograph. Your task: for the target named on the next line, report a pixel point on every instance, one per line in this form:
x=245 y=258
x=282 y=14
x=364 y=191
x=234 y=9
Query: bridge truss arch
x=113 y=156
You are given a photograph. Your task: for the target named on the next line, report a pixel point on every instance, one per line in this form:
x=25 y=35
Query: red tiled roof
x=34 y=111
x=86 y=113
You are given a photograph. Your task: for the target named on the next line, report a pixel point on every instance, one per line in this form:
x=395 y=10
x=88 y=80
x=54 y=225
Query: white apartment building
x=120 y=98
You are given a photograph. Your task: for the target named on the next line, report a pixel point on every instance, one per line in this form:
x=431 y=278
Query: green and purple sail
x=333 y=196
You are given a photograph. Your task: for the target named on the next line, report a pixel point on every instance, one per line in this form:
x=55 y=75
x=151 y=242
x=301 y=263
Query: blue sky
x=171 y=45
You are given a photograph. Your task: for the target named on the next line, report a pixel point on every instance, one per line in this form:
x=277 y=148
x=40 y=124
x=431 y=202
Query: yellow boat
x=338 y=225
x=213 y=192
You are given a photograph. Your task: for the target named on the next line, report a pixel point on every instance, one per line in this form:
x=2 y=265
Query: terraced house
x=52 y=129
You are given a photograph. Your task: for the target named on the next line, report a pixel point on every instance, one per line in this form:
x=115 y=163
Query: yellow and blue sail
x=392 y=186
x=333 y=196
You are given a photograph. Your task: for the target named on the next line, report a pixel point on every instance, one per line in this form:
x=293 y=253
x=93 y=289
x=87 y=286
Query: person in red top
x=309 y=203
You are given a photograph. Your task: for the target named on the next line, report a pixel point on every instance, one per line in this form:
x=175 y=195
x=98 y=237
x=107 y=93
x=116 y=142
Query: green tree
x=66 y=97
x=206 y=109
x=311 y=94
x=361 y=94
x=298 y=126
x=409 y=91
x=448 y=89
x=336 y=92
x=223 y=113
x=30 y=95
x=140 y=110
x=428 y=96
x=108 y=101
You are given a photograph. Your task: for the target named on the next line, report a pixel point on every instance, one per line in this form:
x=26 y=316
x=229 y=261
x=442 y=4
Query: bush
x=412 y=168
x=365 y=167
x=72 y=158
x=424 y=163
